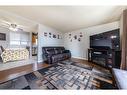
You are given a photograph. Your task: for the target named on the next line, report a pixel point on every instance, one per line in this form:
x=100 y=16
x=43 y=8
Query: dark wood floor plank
x=12 y=73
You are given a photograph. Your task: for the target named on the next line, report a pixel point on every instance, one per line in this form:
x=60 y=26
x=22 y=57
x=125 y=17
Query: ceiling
x=64 y=18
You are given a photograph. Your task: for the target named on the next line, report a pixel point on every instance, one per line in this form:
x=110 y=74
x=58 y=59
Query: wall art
x=75 y=37
x=45 y=34
x=69 y=36
x=81 y=34
x=79 y=39
x=50 y=34
x=54 y=36
x=3 y=36
x=58 y=36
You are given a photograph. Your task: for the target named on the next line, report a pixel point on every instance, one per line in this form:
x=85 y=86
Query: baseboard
x=40 y=61
x=79 y=58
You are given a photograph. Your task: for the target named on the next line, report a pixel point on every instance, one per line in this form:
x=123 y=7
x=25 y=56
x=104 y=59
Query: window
x=12 y=42
x=24 y=43
x=19 y=38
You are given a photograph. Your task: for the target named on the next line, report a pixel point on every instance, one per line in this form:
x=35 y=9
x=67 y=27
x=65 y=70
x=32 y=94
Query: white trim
x=39 y=61
x=79 y=58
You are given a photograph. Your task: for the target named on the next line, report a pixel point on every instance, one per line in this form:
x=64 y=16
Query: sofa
x=120 y=78
x=55 y=54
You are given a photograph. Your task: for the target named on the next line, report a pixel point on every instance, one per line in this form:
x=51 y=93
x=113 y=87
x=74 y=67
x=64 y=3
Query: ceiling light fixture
x=13 y=27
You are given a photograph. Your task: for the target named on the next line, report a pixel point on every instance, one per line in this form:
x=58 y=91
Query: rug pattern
x=64 y=76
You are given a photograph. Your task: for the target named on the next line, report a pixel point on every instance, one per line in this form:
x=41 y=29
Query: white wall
x=46 y=41
x=4 y=43
x=79 y=49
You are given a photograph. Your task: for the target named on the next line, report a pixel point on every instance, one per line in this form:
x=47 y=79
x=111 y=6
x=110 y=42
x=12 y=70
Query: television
x=106 y=40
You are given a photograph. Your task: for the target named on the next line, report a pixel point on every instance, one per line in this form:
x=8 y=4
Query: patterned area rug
x=64 y=75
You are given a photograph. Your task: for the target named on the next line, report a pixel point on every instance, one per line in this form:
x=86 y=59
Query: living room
x=61 y=45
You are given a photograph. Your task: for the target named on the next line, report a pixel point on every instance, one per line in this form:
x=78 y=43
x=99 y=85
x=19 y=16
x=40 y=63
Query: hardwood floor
x=10 y=74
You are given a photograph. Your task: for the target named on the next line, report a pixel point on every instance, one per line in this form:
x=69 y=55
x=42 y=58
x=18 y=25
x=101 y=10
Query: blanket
x=13 y=55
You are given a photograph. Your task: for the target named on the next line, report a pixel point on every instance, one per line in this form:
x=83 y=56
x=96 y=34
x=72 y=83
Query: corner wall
x=79 y=49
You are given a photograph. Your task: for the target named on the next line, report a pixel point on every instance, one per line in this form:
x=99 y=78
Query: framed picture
x=79 y=39
x=58 y=36
x=81 y=35
x=45 y=34
x=50 y=34
x=54 y=36
x=75 y=37
x=3 y=36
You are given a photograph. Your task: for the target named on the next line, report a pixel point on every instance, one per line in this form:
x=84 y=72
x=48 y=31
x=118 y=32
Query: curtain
x=19 y=38
x=124 y=42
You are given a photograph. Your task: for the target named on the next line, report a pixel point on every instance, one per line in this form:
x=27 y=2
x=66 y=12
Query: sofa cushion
x=62 y=50
x=57 y=51
x=57 y=57
x=50 y=52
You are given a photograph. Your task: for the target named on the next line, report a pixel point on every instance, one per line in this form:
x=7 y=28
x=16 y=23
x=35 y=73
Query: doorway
x=34 y=45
